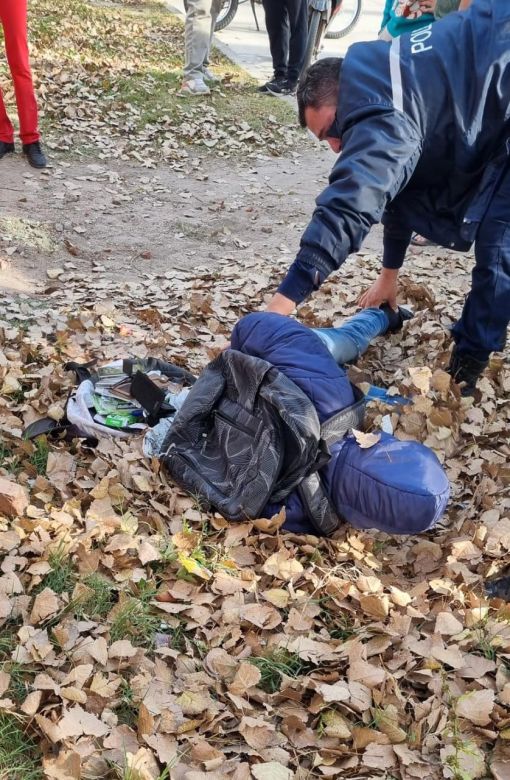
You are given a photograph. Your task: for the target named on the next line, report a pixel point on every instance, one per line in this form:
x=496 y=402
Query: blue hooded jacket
x=424 y=123
x=395 y=486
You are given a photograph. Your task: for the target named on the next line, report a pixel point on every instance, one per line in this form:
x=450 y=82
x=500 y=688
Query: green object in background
x=120 y=420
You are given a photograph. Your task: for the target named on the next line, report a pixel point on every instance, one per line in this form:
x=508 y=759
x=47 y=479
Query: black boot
x=397 y=318
x=5 y=148
x=269 y=86
x=35 y=155
x=285 y=87
x=465 y=369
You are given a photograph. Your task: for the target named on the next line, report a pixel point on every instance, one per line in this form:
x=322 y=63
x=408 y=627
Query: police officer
x=423 y=124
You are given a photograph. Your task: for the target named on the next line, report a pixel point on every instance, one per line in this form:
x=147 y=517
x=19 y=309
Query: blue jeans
x=348 y=342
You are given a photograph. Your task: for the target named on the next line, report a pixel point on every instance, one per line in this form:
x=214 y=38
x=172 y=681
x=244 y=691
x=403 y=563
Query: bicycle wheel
x=345 y=20
x=313 y=39
x=227 y=12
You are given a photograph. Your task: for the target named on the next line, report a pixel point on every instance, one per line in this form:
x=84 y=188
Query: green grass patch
x=20 y=758
x=133 y=618
x=276 y=663
x=126 y=709
x=62 y=577
x=99 y=600
x=39 y=456
x=9 y=462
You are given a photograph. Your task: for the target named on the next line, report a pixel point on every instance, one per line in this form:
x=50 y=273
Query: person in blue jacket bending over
x=423 y=124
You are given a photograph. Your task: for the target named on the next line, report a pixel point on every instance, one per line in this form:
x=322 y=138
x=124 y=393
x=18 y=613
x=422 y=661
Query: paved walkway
x=250 y=49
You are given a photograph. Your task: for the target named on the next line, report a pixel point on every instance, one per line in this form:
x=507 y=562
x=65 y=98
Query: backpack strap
x=335 y=428
x=177 y=373
x=319 y=509
x=81 y=370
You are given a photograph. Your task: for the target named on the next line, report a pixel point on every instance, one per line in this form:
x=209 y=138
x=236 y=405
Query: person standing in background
x=201 y=18
x=287 y=28
x=13 y=16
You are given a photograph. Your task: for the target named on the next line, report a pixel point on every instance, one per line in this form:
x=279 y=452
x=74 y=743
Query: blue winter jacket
x=424 y=123
x=397 y=487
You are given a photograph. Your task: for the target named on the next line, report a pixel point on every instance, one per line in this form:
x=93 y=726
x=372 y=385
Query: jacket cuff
x=394 y=252
x=305 y=275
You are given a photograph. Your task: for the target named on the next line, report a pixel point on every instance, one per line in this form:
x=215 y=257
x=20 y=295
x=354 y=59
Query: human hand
x=383 y=289
x=428 y=6
x=281 y=305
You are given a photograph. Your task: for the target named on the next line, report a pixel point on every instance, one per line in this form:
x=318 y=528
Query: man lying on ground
x=394 y=486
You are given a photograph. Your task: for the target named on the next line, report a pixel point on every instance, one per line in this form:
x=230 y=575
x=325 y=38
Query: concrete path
x=250 y=49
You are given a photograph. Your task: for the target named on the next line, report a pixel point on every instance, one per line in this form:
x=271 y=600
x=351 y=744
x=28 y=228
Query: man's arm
x=396 y=240
x=380 y=152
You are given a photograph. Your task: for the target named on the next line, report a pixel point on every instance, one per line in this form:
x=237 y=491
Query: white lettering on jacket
x=418 y=38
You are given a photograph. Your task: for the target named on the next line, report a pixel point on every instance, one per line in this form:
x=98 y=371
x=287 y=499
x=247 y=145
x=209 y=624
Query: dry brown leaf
x=476 y=706
x=379 y=756
x=122 y=648
x=447 y=624
x=421 y=378
x=271 y=770
x=45 y=605
x=258 y=733
x=366 y=440
x=77 y=721
x=283 y=566
x=333 y=693
x=375 y=604
x=366 y=673
x=31 y=703
x=245 y=678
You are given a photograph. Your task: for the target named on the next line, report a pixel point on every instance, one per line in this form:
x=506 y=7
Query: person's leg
x=482 y=326
x=298 y=23
x=197 y=37
x=6 y=128
x=13 y=14
x=277 y=26
x=348 y=342
x=215 y=9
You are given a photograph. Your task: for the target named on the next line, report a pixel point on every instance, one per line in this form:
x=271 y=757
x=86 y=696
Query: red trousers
x=13 y=16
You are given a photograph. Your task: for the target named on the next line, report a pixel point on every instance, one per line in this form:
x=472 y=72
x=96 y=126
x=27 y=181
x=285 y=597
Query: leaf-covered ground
x=142 y=638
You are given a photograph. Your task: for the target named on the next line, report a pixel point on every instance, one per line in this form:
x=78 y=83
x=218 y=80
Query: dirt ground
x=126 y=221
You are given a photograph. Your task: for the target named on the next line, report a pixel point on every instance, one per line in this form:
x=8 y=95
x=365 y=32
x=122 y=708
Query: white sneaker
x=194 y=87
x=210 y=76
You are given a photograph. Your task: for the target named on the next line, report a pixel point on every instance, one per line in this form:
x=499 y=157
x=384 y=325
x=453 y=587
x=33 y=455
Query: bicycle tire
x=229 y=16
x=312 y=44
x=352 y=24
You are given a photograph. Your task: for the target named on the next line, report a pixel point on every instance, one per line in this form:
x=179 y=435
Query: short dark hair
x=319 y=86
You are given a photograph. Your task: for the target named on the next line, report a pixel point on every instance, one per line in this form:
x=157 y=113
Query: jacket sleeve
x=386 y=14
x=379 y=154
x=396 y=239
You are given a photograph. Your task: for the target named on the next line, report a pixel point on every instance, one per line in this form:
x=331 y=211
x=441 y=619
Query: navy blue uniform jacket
x=425 y=131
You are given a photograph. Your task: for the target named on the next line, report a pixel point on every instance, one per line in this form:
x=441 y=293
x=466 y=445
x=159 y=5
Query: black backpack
x=247 y=435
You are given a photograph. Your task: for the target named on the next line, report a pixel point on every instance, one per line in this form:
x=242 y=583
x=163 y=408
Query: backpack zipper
x=234 y=423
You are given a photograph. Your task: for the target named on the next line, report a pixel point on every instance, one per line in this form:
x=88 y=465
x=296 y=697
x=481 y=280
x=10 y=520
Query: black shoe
x=284 y=87
x=272 y=84
x=5 y=148
x=35 y=155
x=397 y=318
x=465 y=369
